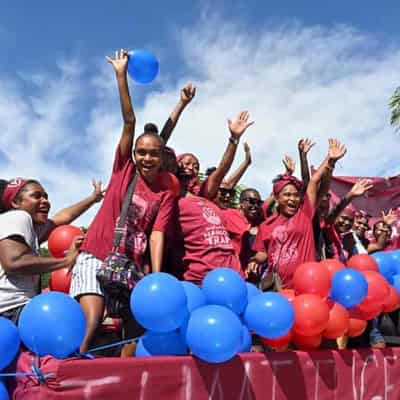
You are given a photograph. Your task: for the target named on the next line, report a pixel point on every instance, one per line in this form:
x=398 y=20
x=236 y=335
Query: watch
x=234 y=141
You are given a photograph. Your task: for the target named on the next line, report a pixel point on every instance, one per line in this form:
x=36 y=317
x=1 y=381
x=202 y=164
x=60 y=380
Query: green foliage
x=394 y=104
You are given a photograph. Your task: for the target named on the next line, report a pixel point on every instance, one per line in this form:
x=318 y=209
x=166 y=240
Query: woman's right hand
x=120 y=62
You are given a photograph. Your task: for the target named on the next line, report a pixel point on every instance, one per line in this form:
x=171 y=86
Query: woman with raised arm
x=286 y=238
x=24 y=225
x=147 y=216
x=202 y=240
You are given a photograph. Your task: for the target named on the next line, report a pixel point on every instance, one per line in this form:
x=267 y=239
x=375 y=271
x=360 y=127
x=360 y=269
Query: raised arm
x=120 y=65
x=236 y=127
x=336 y=152
x=304 y=147
x=187 y=94
x=69 y=214
x=359 y=189
x=234 y=179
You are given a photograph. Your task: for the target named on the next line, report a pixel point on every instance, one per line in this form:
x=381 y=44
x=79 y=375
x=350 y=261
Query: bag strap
x=124 y=211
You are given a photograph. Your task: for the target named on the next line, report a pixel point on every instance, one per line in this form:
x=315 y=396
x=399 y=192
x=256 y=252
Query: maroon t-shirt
x=150 y=210
x=288 y=242
x=203 y=238
x=241 y=234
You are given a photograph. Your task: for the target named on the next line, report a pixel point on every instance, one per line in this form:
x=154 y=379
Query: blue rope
x=36 y=372
x=105 y=347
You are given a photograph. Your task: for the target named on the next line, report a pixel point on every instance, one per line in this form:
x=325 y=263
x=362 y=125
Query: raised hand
x=120 y=62
x=247 y=152
x=390 y=218
x=289 y=164
x=187 y=93
x=98 y=191
x=361 y=187
x=336 y=150
x=305 y=145
x=239 y=125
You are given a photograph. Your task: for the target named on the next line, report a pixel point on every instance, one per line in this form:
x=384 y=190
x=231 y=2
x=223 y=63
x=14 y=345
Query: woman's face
x=188 y=167
x=289 y=199
x=34 y=200
x=148 y=157
x=251 y=206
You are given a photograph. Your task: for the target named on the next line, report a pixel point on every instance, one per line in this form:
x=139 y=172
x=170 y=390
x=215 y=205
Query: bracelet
x=233 y=141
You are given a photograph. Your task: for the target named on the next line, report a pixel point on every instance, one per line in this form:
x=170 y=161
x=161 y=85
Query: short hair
x=150 y=127
x=210 y=170
x=245 y=191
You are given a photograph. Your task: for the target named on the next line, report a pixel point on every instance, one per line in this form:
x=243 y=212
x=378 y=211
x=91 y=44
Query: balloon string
x=107 y=346
x=36 y=372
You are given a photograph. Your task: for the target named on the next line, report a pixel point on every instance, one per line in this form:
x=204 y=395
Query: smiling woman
x=24 y=224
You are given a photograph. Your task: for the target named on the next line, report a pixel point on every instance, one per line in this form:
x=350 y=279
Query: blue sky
x=302 y=68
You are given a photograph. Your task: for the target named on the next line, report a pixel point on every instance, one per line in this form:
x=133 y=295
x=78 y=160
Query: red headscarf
x=286 y=179
x=11 y=191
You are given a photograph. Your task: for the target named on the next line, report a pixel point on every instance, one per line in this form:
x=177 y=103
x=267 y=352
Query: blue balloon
x=195 y=296
x=225 y=287
x=349 y=287
x=245 y=346
x=252 y=291
x=3 y=391
x=143 y=66
x=158 y=302
x=396 y=282
x=162 y=344
x=9 y=342
x=386 y=264
x=52 y=323
x=141 y=351
x=214 y=333
x=270 y=315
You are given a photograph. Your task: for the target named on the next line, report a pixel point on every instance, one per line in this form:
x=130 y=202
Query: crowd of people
x=186 y=231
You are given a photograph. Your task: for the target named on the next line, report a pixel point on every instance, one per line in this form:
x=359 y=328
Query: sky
x=302 y=69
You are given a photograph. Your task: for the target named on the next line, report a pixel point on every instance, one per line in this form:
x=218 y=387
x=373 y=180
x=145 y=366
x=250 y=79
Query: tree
x=394 y=104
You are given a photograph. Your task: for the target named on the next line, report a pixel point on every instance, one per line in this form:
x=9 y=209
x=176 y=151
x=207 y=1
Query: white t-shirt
x=17 y=290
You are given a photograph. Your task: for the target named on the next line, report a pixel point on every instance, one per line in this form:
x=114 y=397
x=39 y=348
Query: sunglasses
x=252 y=201
x=226 y=192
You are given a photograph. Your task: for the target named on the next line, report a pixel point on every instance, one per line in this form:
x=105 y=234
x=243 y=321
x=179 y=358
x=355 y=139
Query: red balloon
x=61 y=238
x=378 y=290
x=60 y=280
x=392 y=301
x=313 y=278
x=338 y=322
x=288 y=293
x=366 y=312
x=332 y=265
x=356 y=327
x=280 y=343
x=363 y=262
x=307 y=342
x=168 y=181
x=311 y=315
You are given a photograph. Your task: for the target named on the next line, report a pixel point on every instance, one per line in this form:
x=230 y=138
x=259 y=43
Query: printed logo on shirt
x=211 y=217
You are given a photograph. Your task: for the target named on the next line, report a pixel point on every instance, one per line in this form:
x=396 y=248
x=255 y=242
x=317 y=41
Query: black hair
x=3 y=184
x=153 y=135
x=150 y=128
x=210 y=170
x=245 y=191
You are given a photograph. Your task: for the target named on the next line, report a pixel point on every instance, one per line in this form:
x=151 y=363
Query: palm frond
x=394 y=104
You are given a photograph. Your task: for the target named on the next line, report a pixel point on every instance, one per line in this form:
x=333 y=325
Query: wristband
x=234 y=141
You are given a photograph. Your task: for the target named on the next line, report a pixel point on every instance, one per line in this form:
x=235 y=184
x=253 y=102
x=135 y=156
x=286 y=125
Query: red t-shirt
x=241 y=234
x=288 y=241
x=203 y=238
x=150 y=210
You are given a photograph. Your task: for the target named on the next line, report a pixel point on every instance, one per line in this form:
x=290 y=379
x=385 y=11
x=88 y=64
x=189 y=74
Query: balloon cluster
x=331 y=300
x=213 y=323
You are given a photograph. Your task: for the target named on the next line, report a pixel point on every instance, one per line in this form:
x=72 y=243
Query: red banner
x=317 y=375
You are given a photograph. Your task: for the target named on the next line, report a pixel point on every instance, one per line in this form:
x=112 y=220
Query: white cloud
x=296 y=81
